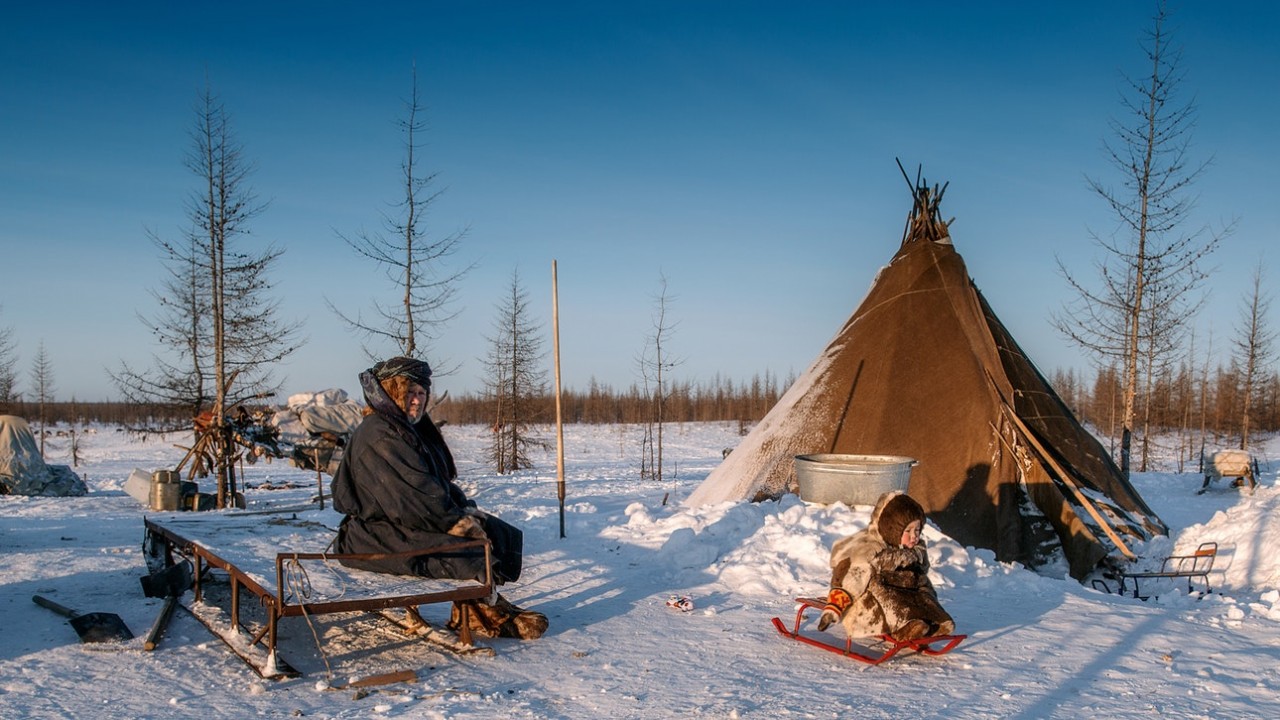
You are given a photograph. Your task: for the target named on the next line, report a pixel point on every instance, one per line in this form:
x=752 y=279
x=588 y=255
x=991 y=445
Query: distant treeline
x=1211 y=404
x=131 y=415
x=717 y=400
x=1205 y=404
x=599 y=404
x=1202 y=408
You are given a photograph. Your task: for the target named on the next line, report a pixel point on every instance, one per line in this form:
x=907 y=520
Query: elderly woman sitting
x=395 y=486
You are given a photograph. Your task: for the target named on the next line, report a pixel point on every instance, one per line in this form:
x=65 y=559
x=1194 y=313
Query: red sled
x=861 y=654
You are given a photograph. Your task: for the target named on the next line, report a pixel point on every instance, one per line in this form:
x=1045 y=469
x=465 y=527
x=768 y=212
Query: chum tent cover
x=924 y=369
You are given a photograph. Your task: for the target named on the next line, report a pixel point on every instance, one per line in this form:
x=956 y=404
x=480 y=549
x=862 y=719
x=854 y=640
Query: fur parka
x=888 y=584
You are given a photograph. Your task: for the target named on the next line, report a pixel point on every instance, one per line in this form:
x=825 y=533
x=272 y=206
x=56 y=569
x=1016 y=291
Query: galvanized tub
x=851 y=479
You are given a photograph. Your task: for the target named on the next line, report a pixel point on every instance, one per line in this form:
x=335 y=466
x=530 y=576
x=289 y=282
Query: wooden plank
x=162 y=621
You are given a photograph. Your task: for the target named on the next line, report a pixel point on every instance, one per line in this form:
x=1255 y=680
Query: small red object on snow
x=683 y=603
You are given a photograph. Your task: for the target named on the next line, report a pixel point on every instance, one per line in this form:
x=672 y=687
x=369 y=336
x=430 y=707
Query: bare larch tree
x=1151 y=271
x=516 y=381
x=655 y=363
x=42 y=387
x=248 y=336
x=412 y=261
x=216 y=317
x=8 y=367
x=1253 y=348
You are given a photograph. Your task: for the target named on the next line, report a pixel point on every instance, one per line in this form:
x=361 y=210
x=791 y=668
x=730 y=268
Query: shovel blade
x=97 y=627
x=173 y=580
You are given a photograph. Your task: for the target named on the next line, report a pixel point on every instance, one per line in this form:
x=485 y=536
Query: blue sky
x=745 y=151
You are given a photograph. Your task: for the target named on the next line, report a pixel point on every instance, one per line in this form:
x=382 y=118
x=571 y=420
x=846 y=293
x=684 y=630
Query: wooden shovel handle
x=47 y=603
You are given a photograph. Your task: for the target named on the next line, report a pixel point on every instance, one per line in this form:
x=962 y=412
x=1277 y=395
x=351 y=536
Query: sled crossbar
x=855 y=652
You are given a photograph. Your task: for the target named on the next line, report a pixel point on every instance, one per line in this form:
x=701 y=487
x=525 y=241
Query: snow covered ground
x=1038 y=647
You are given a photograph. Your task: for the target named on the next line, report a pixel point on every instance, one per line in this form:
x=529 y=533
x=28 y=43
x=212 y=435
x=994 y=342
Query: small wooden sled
x=862 y=654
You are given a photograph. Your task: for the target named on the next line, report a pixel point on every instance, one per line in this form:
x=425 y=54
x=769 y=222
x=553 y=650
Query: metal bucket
x=851 y=479
x=165 y=490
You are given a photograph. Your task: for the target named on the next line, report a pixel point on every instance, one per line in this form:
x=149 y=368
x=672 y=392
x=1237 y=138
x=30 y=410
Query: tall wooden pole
x=555 y=331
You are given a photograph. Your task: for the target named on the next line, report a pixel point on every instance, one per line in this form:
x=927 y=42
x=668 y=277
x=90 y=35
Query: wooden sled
x=253 y=553
x=859 y=653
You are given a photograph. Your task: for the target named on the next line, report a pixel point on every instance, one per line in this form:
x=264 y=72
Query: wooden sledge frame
x=868 y=656
x=278 y=604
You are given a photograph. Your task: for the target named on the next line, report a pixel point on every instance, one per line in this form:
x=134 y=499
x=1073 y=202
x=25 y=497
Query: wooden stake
x=1006 y=406
x=315 y=457
x=555 y=331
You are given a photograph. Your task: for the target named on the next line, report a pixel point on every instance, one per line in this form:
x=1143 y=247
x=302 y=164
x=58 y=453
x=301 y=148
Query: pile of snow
x=1245 y=526
x=1039 y=646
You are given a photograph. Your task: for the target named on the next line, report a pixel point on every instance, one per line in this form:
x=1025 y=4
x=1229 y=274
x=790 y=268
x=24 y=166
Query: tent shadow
x=1017 y=537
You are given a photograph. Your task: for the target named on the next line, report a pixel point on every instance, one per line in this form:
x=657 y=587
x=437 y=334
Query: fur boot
x=500 y=619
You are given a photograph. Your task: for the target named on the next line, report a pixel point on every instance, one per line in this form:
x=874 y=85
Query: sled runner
x=863 y=654
x=438 y=637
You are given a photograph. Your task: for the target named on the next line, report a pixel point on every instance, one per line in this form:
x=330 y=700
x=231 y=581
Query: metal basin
x=851 y=479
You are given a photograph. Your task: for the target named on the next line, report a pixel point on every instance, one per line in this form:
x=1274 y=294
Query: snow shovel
x=173 y=580
x=93 y=627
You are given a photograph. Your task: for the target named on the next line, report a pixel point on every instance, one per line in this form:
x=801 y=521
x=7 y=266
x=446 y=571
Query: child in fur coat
x=880 y=577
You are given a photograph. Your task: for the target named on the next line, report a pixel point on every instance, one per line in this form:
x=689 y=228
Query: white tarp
x=24 y=472
x=313 y=414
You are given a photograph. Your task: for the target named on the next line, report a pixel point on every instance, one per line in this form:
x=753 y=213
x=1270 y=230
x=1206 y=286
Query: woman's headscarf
x=425 y=433
x=416 y=370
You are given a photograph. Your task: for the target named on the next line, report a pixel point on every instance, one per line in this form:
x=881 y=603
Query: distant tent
x=925 y=369
x=23 y=470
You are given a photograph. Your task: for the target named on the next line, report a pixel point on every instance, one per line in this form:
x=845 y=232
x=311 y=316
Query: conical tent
x=925 y=369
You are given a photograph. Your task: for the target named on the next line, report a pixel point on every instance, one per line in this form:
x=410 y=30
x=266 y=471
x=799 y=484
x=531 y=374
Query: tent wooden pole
x=1014 y=453
x=1071 y=483
x=1007 y=408
x=555 y=331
